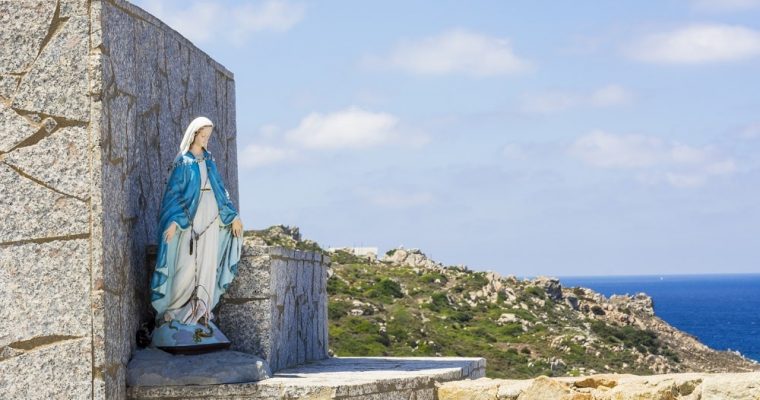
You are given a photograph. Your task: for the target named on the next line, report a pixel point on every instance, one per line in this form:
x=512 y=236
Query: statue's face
x=201 y=138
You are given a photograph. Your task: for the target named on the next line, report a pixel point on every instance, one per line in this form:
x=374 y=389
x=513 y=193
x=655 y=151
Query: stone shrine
x=94 y=95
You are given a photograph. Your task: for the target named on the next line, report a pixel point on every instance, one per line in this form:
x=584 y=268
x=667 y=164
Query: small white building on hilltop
x=369 y=252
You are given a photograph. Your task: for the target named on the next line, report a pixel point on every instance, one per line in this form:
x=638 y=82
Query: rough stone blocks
x=276 y=307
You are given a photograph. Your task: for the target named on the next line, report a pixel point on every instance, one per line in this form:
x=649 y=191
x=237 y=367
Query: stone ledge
x=338 y=378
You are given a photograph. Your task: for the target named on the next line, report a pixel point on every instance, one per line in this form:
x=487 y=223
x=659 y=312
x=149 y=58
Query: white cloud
x=255 y=155
x=657 y=160
x=271 y=15
x=725 y=5
x=203 y=21
x=696 y=44
x=554 y=101
x=751 y=131
x=610 y=95
x=456 y=51
x=269 y=130
x=514 y=151
x=351 y=128
x=393 y=198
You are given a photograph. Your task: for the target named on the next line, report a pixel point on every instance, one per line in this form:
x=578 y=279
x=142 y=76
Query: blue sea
x=723 y=311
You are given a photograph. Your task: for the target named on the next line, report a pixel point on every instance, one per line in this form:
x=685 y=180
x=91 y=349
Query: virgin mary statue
x=200 y=239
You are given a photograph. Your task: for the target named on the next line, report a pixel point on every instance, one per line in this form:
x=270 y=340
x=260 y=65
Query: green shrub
x=336 y=286
x=386 y=288
x=535 y=291
x=430 y=277
x=439 y=301
x=461 y=316
x=337 y=309
x=512 y=329
x=642 y=340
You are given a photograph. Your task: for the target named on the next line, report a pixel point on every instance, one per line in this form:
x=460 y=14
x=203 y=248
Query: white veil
x=187 y=140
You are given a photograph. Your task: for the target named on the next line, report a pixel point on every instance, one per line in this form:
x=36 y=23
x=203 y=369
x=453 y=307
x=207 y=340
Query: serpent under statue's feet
x=192 y=338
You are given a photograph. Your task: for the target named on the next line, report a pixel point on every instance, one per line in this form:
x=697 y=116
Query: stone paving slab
x=376 y=378
x=155 y=367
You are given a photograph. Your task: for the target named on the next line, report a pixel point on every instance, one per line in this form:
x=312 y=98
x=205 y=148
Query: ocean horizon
x=719 y=309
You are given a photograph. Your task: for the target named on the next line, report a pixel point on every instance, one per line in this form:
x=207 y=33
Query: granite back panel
x=94 y=99
x=276 y=307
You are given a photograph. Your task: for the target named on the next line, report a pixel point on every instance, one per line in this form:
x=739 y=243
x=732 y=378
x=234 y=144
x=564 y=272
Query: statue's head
x=198 y=132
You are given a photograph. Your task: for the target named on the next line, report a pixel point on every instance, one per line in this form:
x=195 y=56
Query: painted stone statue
x=199 y=248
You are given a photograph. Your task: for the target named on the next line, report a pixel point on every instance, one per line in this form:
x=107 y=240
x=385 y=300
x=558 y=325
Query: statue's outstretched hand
x=170 y=231
x=237 y=227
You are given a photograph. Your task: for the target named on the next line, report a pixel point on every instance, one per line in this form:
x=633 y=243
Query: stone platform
x=372 y=378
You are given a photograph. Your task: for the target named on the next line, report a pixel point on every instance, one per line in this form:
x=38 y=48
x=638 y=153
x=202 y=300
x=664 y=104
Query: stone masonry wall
x=46 y=190
x=94 y=99
x=276 y=307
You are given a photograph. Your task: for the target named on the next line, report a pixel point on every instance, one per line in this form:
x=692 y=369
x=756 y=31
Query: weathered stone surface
x=25 y=24
x=277 y=306
x=253 y=279
x=60 y=161
x=119 y=39
x=52 y=369
x=248 y=326
x=154 y=367
x=8 y=84
x=57 y=82
x=545 y=388
x=69 y=8
x=31 y=210
x=49 y=301
x=730 y=386
x=479 y=389
x=338 y=378
x=684 y=386
x=15 y=128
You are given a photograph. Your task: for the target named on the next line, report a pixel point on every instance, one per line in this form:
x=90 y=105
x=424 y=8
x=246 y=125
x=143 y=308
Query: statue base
x=178 y=338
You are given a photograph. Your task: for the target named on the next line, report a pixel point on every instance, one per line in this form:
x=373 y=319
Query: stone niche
x=94 y=98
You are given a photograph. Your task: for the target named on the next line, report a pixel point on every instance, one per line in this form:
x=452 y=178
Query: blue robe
x=179 y=204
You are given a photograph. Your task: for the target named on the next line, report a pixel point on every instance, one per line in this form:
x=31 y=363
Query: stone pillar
x=94 y=99
x=276 y=308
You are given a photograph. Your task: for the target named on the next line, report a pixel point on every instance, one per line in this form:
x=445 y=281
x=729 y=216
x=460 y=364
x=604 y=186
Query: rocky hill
x=405 y=304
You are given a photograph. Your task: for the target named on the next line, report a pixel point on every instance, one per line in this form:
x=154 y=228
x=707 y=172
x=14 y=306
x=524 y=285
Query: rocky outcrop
x=412 y=257
x=688 y=386
x=280 y=235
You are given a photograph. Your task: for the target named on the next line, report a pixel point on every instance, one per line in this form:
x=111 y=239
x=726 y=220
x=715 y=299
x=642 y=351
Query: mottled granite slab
x=155 y=367
x=338 y=378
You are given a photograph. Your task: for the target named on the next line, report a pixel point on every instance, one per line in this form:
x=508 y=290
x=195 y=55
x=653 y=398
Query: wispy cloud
x=554 y=101
x=457 y=51
x=204 y=21
x=257 y=155
x=751 y=131
x=655 y=159
x=351 y=128
x=696 y=44
x=394 y=198
x=725 y=5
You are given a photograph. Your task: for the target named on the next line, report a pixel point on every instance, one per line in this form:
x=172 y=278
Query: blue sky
x=527 y=138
